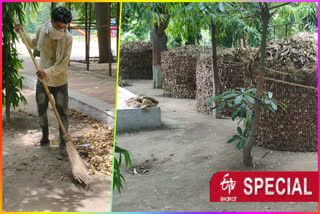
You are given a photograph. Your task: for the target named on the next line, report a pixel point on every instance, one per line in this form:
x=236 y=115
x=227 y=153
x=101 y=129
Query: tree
x=211 y=15
x=100 y=14
x=265 y=14
x=159 y=43
x=11 y=79
x=157 y=16
x=133 y=26
x=36 y=17
x=254 y=98
x=103 y=27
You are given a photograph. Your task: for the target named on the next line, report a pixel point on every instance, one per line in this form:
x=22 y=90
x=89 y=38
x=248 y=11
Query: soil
x=38 y=179
x=173 y=165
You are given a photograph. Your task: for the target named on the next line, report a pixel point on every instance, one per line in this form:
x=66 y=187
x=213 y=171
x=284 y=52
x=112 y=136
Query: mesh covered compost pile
x=204 y=83
x=297 y=129
x=179 y=71
x=297 y=57
x=136 y=60
x=233 y=66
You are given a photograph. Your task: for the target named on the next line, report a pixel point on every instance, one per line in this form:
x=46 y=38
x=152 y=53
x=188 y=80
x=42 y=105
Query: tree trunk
x=243 y=44
x=247 y=157
x=6 y=77
x=216 y=88
x=103 y=28
x=244 y=40
x=159 y=43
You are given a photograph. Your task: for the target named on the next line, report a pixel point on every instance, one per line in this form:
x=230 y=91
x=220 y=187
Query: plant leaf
x=238 y=99
x=271 y=109
x=229 y=95
x=254 y=90
x=267 y=101
x=233 y=139
x=239 y=130
x=274 y=106
x=213 y=99
x=250 y=99
x=235 y=114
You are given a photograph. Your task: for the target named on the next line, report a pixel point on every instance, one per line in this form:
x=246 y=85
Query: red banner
x=264 y=187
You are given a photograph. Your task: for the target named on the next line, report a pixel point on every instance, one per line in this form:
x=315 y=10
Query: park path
x=94 y=83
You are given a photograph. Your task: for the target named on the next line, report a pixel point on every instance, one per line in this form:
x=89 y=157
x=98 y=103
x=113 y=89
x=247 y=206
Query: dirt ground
x=37 y=179
x=174 y=164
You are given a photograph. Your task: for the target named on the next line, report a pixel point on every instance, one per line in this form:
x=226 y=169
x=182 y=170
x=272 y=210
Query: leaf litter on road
x=96 y=145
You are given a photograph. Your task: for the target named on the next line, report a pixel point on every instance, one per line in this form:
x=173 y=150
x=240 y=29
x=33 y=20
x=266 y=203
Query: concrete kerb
x=133 y=119
x=95 y=108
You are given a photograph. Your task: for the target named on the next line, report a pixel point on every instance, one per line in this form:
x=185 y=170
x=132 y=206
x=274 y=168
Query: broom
x=79 y=169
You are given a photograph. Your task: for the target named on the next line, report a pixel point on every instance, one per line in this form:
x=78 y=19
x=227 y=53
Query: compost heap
x=136 y=60
x=297 y=129
x=143 y=102
x=179 y=70
x=233 y=66
x=296 y=57
x=96 y=145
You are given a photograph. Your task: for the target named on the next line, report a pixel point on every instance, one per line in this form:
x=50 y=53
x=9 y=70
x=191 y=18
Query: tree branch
x=280 y=5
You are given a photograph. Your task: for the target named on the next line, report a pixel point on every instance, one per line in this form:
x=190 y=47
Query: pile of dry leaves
x=96 y=145
x=143 y=102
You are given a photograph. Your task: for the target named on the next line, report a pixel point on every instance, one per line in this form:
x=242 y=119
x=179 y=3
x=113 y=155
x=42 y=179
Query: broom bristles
x=79 y=169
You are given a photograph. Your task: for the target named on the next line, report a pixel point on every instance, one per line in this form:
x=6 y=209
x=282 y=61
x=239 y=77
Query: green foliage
x=36 y=16
x=189 y=22
x=78 y=10
x=11 y=79
x=297 y=16
x=118 y=178
x=185 y=24
x=242 y=101
x=139 y=19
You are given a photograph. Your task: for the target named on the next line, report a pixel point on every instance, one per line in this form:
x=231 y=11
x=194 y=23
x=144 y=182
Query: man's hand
x=41 y=74
x=18 y=27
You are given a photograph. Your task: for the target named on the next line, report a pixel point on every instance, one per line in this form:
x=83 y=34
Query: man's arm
x=32 y=42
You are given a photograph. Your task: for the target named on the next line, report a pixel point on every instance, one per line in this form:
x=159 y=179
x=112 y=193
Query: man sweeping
x=54 y=42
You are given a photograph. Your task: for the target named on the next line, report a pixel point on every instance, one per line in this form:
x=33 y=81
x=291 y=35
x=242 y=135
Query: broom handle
x=43 y=82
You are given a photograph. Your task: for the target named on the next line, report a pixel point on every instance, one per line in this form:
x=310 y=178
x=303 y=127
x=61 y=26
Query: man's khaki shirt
x=54 y=63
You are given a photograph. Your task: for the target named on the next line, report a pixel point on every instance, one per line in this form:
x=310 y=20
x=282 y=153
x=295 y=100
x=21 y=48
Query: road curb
x=95 y=108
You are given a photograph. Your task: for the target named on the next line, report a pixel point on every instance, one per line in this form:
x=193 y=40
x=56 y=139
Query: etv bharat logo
x=228 y=184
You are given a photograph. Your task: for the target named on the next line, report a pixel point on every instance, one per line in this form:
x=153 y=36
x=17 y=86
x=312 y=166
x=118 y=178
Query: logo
x=228 y=184
x=264 y=186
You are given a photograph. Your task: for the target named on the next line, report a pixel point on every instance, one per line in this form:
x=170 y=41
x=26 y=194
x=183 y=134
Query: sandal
x=42 y=142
